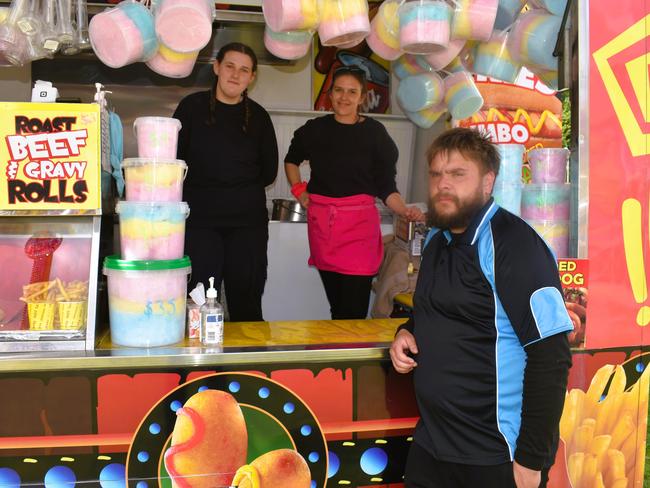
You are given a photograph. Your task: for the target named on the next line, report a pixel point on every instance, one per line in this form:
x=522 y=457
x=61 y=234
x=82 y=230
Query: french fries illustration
x=605 y=432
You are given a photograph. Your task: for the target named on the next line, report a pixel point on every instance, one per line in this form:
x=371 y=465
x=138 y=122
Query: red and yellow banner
x=50 y=156
x=619 y=145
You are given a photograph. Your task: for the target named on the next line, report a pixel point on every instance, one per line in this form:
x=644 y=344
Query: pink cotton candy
x=380 y=48
x=170 y=247
x=337 y=32
x=147 y=286
x=115 y=39
x=422 y=36
x=283 y=15
x=184 y=25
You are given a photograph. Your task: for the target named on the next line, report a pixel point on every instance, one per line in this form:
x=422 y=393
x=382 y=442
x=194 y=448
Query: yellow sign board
x=50 y=156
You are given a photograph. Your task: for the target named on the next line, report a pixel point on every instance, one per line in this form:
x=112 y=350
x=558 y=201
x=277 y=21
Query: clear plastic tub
x=507 y=12
x=184 y=25
x=157 y=136
x=154 y=180
x=442 y=56
x=425 y=25
x=512 y=160
x=287 y=45
x=123 y=35
x=545 y=202
x=556 y=7
x=384 y=31
x=548 y=165
x=532 y=39
x=152 y=230
x=289 y=15
x=508 y=196
x=410 y=64
x=427 y=117
x=493 y=59
x=474 y=19
x=555 y=233
x=343 y=22
x=419 y=92
x=146 y=301
x=461 y=95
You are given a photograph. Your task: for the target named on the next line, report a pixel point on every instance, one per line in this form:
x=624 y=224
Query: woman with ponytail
x=352 y=160
x=230 y=147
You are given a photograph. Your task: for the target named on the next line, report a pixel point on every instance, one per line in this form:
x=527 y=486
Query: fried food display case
x=50 y=209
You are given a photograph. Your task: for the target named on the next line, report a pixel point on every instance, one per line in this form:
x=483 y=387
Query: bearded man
x=487 y=342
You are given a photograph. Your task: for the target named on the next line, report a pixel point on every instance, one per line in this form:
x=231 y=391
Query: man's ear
x=488 y=183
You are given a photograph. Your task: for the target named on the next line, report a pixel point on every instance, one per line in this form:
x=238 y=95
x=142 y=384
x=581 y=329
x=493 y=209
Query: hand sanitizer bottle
x=211 y=318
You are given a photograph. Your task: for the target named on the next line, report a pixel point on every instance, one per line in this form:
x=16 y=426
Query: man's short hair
x=471 y=144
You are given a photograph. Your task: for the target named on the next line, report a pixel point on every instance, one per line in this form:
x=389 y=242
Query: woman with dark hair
x=231 y=150
x=352 y=160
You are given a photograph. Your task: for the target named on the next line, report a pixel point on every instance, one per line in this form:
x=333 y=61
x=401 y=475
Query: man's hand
x=403 y=343
x=414 y=214
x=524 y=477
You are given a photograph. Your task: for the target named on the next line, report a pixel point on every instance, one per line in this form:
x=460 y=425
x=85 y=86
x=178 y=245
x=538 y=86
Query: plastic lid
x=123 y=205
x=160 y=120
x=114 y=262
x=133 y=162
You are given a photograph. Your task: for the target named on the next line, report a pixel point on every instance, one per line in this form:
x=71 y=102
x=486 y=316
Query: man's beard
x=459 y=219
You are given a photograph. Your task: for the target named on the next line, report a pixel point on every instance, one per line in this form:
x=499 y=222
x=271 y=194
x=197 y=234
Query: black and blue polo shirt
x=483 y=298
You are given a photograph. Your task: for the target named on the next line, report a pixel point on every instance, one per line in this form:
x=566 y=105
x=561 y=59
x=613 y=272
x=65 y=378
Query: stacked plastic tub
x=508 y=185
x=546 y=201
x=147 y=286
x=168 y=39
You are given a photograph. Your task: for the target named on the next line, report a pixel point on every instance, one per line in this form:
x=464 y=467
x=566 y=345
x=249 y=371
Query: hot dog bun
x=209 y=441
x=507 y=105
x=507 y=96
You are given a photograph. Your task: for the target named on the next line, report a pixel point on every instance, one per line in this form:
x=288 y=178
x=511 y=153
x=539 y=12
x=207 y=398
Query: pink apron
x=344 y=234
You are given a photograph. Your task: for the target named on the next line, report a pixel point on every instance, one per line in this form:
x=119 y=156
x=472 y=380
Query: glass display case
x=50 y=210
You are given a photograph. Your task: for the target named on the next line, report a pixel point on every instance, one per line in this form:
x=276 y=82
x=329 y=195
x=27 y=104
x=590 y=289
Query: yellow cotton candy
x=174 y=56
x=310 y=14
x=142 y=228
x=162 y=175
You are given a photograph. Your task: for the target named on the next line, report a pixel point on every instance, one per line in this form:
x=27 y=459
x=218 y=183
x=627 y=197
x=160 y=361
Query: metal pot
x=288 y=211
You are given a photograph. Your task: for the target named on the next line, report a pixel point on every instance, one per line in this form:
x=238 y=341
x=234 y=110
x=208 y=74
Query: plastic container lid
x=182 y=207
x=117 y=264
x=161 y=120
x=135 y=162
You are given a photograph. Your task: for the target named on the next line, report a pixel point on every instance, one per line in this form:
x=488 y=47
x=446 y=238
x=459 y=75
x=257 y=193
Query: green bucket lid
x=114 y=262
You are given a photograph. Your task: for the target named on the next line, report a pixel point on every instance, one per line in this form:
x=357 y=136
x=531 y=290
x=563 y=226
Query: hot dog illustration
x=209 y=441
x=282 y=468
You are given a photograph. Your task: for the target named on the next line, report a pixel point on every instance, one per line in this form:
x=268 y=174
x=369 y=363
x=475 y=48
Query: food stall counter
x=322 y=388
x=244 y=343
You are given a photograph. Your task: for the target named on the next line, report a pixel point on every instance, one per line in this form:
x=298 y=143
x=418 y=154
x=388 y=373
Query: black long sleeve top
x=228 y=167
x=346 y=159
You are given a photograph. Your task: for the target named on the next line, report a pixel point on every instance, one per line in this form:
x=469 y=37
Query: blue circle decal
x=112 y=476
x=374 y=461
x=264 y=392
x=60 y=477
x=9 y=478
x=334 y=464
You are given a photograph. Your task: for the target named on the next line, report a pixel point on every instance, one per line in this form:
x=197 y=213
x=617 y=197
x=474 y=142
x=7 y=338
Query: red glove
x=298 y=189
